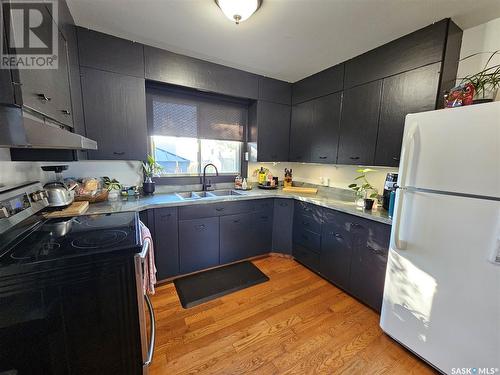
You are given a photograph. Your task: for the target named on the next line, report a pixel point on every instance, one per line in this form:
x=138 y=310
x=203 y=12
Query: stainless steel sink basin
x=188 y=195
x=223 y=193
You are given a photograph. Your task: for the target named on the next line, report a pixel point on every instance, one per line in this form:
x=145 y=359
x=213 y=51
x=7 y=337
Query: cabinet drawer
x=263 y=205
x=306 y=222
x=306 y=257
x=216 y=209
x=308 y=209
x=308 y=239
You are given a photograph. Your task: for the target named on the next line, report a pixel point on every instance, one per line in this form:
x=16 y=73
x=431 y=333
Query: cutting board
x=75 y=209
x=298 y=189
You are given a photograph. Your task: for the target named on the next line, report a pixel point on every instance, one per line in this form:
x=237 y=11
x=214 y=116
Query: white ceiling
x=285 y=39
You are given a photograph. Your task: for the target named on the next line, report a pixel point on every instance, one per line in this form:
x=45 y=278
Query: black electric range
x=58 y=239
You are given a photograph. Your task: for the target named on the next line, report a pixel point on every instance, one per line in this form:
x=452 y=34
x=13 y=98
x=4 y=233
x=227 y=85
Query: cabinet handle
x=354 y=158
x=65 y=112
x=17 y=84
x=200 y=227
x=338 y=235
x=119 y=153
x=323 y=157
x=236 y=221
x=44 y=97
x=219 y=209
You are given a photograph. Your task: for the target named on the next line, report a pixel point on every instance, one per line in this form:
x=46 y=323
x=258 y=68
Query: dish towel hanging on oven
x=149 y=262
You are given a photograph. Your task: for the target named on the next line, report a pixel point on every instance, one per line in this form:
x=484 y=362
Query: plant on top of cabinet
x=151 y=169
x=364 y=190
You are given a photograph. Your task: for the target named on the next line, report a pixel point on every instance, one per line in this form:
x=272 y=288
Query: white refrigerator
x=442 y=286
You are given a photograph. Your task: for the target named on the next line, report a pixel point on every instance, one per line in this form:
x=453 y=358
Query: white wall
x=481 y=38
x=340 y=175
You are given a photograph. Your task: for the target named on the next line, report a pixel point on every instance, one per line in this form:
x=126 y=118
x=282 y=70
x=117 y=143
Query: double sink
x=193 y=195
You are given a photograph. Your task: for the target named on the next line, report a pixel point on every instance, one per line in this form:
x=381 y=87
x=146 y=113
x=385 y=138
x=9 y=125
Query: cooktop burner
x=99 y=239
x=83 y=235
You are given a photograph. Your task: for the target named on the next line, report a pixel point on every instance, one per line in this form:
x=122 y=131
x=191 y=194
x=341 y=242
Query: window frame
x=196 y=180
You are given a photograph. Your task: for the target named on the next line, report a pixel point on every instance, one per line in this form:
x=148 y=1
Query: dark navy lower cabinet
x=282 y=225
x=198 y=244
x=262 y=232
x=336 y=248
x=166 y=242
x=307 y=257
x=235 y=237
x=369 y=261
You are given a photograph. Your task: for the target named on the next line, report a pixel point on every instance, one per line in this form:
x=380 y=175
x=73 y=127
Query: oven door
x=146 y=312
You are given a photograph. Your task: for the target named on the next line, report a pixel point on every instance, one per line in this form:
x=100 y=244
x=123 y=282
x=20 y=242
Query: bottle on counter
x=262 y=176
x=244 y=184
x=287 y=182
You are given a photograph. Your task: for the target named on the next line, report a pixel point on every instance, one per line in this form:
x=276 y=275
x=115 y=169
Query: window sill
x=193 y=180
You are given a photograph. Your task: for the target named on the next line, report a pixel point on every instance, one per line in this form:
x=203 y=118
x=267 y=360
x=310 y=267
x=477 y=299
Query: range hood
x=20 y=128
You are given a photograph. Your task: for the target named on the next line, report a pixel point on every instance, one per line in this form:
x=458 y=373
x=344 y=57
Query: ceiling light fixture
x=238 y=10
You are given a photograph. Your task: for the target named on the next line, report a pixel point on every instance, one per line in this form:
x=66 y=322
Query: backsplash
x=127 y=172
x=339 y=176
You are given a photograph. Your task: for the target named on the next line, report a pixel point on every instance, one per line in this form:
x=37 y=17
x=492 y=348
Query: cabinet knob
x=44 y=97
x=395 y=158
x=354 y=158
x=219 y=209
x=200 y=227
x=65 y=112
x=236 y=221
x=118 y=153
x=323 y=157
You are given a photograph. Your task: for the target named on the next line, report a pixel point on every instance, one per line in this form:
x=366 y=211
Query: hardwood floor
x=297 y=323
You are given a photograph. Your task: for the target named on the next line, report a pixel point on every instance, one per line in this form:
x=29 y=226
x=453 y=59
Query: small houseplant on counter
x=151 y=169
x=486 y=82
x=363 y=189
x=113 y=186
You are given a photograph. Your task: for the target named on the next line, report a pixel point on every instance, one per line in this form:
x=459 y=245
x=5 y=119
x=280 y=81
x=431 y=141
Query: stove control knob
x=38 y=195
x=4 y=213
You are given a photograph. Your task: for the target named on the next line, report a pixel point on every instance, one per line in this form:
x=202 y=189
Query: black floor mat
x=205 y=286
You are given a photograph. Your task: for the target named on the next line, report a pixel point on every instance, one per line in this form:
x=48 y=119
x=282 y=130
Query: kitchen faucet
x=204 y=185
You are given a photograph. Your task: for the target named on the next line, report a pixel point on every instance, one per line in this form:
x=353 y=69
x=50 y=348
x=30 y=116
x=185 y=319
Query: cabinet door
x=336 y=248
x=262 y=232
x=323 y=83
x=282 y=225
x=300 y=132
x=325 y=128
x=274 y=90
x=369 y=261
x=410 y=92
x=106 y=52
x=359 y=124
x=115 y=114
x=235 y=237
x=273 y=129
x=61 y=88
x=198 y=244
x=166 y=242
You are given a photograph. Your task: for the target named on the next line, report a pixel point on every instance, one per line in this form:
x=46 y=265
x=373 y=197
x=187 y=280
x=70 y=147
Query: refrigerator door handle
x=398 y=243
x=405 y=157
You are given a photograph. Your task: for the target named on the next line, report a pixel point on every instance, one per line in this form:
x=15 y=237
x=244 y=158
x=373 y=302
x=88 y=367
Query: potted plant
x=150 y=168
x=364 y=190
x=486 y=82
x=113 y=186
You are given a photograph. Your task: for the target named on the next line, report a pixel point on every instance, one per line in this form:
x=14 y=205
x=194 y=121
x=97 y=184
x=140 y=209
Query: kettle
x=59 y=195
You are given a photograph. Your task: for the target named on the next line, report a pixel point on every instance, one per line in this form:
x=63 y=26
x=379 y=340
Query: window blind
x=179 y=113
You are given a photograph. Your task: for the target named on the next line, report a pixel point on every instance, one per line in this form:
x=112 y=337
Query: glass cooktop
x=82 y=235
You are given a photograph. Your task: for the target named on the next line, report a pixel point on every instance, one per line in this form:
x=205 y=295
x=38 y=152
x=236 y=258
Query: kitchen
x=324 y=199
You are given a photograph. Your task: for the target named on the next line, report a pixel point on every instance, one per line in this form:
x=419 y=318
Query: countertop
x=332 y=201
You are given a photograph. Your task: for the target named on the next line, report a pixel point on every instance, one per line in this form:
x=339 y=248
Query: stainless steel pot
x=58 y=194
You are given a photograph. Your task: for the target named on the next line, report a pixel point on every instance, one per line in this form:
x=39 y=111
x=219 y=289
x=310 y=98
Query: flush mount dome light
x=238 y=10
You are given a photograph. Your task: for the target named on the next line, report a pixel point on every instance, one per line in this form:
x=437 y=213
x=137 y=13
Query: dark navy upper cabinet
x=323 y=83
x=422 y=47
x=115 y=114
x=106 y=52
x=282 y=225
x=169 y=67
x=235 y=237
x=198 y=244
x=336 y=248
x=410 y=92
x=276 y=91
x=271 y=130
x=359 y=124
x=369 y=261
x=166 y=242
x=300 y=132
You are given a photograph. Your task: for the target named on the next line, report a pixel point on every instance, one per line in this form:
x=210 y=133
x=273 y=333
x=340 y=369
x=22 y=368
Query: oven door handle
x=149 y=356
